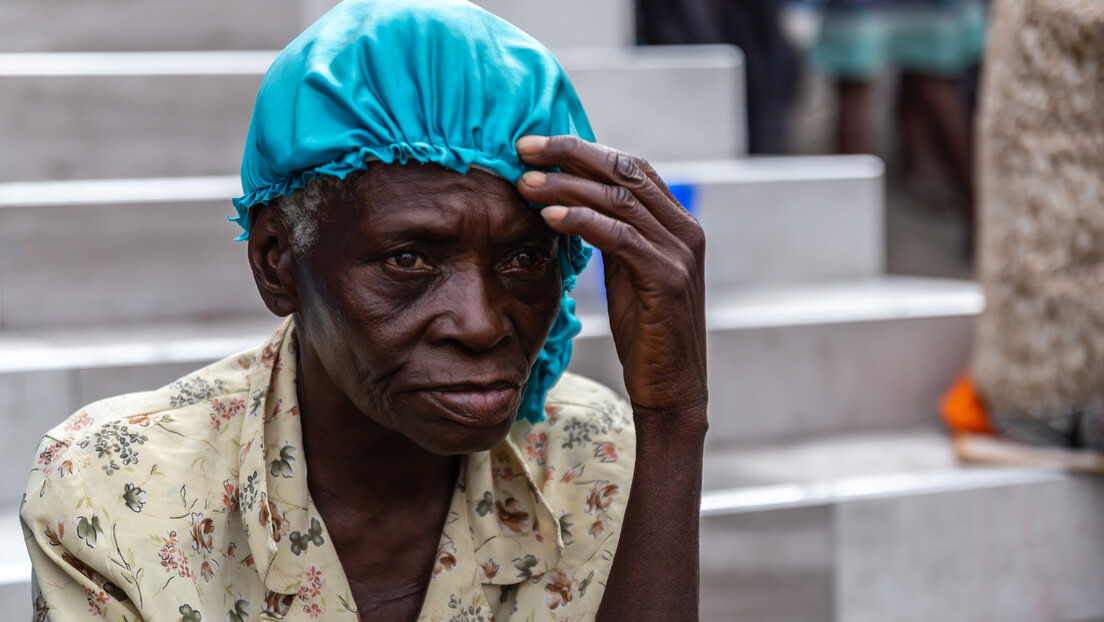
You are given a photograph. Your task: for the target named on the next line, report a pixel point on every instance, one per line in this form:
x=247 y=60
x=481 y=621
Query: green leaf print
x=240 y=612
x=89 y=529
x=281 y=467
x=485 y=506
x=190 y=615
x=525 y=567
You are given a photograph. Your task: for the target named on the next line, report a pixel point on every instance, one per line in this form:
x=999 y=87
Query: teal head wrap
x=426 y=80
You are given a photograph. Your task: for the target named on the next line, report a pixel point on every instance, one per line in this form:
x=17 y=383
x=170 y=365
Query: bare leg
x=950 y=120
x=917 y=149
x=852 y=132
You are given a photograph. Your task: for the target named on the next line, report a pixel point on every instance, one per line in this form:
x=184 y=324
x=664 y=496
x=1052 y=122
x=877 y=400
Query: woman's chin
x=455 y=439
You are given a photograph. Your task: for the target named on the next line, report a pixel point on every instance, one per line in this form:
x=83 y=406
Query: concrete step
x=109 y=115
x=888 y=528
x=799 y=361
x=787 y=220
x=118 y=252
x=570 y=23
x=779 y=220
x=139 y=25
x=784 y=363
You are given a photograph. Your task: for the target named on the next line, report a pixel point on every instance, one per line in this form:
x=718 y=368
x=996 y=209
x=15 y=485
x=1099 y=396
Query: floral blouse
x=190 y=504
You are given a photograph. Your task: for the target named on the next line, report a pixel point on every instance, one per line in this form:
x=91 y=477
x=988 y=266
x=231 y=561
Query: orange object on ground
x=963 y=410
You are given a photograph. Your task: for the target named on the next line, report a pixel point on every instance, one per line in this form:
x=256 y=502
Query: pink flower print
x=600 y=498
x=549 y=474
x=312 y=583
x=314 y=610
x=315 y=575
x=552 y=413
x=573 y=474
x=208 y=569
x=276 y=604
x=276 y=408
x=536 y=444
x=48 y=455
x=280 y=525
x=172 y=557
x=501 y=474
x=446 y=559
x=144 y=421
x=512 y=515
x=488 y=569
x=606 y=451
x=99 y=596
x=222 y=411
x=66 y=469
x=94 y=609
x=599 y=526
x=235 y=408
x=560 y=589
x=268 y=355
x=230 y=496
x=78 y=422
x=203 y=530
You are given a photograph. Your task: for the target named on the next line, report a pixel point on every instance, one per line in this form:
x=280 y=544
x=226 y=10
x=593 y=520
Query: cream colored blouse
x=190 y=504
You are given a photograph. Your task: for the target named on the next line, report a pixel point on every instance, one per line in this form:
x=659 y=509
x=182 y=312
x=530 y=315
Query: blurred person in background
x=407 y=444
x=753 y=26
x=934 y=44
x=1034 y=393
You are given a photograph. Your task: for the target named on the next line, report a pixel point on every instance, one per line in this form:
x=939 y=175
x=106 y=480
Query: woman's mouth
x=476 y=405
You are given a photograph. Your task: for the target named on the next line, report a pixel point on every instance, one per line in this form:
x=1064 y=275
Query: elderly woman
x=407 y=445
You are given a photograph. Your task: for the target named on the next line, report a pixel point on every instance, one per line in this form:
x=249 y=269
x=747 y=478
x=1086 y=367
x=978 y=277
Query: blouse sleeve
x=68 y=581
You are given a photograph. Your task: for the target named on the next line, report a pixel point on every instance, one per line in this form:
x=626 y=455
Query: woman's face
x=426 y=301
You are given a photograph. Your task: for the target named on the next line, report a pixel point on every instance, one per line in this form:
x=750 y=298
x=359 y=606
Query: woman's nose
x=472 y=312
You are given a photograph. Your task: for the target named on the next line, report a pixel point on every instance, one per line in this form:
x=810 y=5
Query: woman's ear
x=272 y=260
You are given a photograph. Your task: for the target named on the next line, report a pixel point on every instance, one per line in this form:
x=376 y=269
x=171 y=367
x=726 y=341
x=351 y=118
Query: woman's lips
x=476 y=406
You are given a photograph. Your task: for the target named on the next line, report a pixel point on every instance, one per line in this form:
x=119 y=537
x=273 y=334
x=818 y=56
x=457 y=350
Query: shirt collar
x=275 y=504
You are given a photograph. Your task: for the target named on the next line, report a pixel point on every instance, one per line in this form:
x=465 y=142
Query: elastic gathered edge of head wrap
x=439 y=81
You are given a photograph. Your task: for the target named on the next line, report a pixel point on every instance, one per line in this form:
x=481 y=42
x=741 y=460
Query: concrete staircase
x=831 y=494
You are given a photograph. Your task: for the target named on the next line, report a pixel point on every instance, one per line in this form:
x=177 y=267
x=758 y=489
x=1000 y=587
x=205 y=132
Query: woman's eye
x=527 y=260
x=407 y=260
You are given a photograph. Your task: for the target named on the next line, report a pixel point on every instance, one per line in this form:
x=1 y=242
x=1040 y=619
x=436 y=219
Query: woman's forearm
x=655 y=570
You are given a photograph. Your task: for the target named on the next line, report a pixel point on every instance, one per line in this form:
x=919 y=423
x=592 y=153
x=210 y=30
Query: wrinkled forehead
x=392 y=200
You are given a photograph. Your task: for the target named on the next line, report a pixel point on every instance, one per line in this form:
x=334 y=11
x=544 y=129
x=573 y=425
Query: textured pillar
x=1039 y=355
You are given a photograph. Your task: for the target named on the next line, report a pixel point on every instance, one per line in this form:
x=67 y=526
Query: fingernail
x=554 y=213
x=529 y=145
x=534 y=179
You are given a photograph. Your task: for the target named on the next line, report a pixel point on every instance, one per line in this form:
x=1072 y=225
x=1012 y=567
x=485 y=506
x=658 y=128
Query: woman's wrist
x=683 y=427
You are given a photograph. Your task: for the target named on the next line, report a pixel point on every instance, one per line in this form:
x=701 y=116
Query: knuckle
x=568 y=144
x=620 y=196
x=625 y=169
x=695 y=238
x=622 y=234
x=647 y=168
x=679 y=275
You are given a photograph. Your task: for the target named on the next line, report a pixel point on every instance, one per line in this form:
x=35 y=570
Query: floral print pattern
x=193 y=498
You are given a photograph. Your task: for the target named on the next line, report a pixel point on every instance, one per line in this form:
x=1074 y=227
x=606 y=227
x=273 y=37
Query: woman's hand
x=654 y=254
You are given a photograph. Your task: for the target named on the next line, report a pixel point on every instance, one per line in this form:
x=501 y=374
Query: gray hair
x=301 y=211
